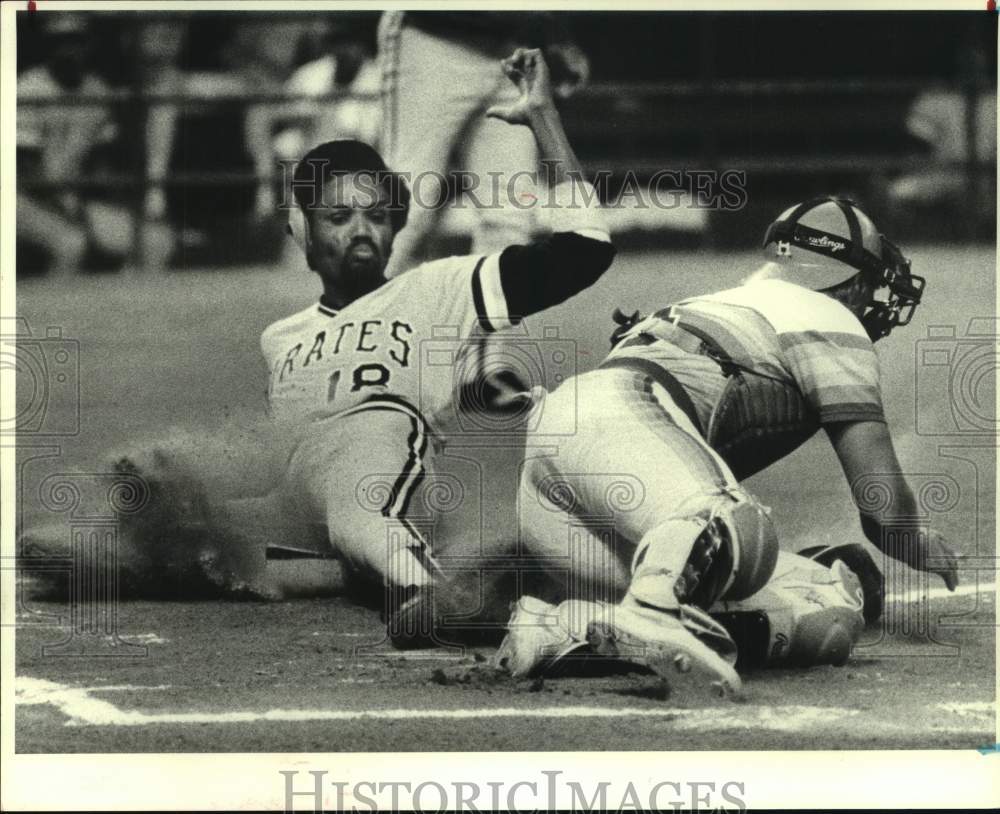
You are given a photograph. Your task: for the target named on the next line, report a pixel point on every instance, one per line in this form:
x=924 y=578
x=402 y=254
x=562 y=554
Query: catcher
x=691 y=400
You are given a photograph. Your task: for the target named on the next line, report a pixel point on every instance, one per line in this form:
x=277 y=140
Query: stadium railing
x=637 y=127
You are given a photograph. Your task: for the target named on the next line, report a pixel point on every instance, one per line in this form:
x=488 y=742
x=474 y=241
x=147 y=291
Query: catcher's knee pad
x=808 y=614
x=755 y=542
x=727 y=548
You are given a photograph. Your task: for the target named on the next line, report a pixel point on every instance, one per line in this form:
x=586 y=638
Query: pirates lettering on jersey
x=391 y=338
x=324 y=362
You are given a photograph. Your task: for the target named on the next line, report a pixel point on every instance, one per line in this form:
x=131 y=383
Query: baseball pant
x=358 y=474
x=611 y=459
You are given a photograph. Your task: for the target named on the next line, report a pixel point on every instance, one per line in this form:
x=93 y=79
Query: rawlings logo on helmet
x=826 y=242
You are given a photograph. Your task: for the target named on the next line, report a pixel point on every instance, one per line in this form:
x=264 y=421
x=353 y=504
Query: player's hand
x=569 y=67
x=942 y=559
x=932 y=553
x=526 y=68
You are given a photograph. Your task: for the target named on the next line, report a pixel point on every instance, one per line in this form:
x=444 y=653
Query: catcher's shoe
x=855 y=557
x=539 y=635
x=672 y=644
x=806 y=615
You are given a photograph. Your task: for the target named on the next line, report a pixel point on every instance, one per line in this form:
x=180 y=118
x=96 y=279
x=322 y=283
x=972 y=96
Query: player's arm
x=578 y=251
x=865 y=450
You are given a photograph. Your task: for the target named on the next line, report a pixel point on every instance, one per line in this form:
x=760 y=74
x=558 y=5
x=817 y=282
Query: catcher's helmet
x=824 y=242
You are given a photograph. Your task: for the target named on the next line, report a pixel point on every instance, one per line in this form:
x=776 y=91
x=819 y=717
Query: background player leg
x=495 y=150
x=431 y=93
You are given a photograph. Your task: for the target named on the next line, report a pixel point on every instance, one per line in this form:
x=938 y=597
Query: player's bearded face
x=351 y=235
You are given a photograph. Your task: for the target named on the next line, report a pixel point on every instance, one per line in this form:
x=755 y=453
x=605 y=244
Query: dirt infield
x=279 y=677
x=181 y=352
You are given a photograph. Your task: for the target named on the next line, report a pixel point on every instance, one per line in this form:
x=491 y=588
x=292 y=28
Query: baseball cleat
x=660 y=641
x=411 y=617
x=807 y=615
x=435 y=615
x=855 y=557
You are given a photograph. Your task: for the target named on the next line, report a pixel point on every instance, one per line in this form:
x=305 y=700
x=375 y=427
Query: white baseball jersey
x=398 y=343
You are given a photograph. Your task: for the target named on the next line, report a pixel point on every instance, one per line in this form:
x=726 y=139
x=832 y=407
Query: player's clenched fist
x=526 y=68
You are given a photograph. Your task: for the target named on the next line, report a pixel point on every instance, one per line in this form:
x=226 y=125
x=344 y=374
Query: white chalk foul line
x=980 y=709
x=83 y=710
x=986 y=588
x=145 y=638
x=126 y=688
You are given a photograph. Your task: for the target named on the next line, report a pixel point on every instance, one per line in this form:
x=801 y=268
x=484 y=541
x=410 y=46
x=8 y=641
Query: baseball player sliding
x=691 y=400
x=345 y=372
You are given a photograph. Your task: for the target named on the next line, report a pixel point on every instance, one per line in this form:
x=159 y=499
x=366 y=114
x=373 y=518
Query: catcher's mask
x=823 y=242
x=341 y=157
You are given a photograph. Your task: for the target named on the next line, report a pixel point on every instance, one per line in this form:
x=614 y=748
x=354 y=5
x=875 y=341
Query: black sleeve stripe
x=478 y=300
x=550 y=270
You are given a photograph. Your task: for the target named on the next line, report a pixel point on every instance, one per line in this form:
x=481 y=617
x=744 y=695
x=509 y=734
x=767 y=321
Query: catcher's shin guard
x=806 y=615
x=727 y=548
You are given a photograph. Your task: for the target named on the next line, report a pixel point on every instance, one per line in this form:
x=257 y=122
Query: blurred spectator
x=218 y=58
x=59 y=226
x=348 y=69
x=938 y=117
x=262 y=54
x=158 y=45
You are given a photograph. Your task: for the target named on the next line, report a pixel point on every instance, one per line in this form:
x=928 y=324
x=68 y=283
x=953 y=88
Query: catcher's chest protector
x=757 y=421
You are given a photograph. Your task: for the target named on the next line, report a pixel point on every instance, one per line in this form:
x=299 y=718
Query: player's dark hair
x=347 y=157
x=844 y=292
